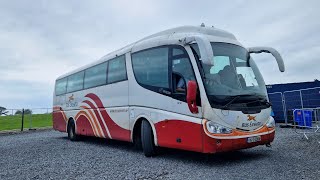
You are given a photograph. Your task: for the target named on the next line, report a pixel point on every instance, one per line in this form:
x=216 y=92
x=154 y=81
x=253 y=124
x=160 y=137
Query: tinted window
x=176 y=52
x=184 y=68
x=61 y=86
x=150 y=67
x=95 y=76
x=75 y=82
x=117 y=70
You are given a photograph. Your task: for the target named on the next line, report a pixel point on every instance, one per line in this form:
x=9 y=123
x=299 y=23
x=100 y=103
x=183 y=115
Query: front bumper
x=213 y=143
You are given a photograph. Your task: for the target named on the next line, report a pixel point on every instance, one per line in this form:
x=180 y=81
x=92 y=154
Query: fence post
x=284 y=107
x=22 y=119
x=301 y=99
x=30 y=121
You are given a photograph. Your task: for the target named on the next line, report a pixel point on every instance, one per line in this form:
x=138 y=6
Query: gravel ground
x=50 y=155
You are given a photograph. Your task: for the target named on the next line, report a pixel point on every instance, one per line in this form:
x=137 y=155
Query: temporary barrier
x=306 y=121
x=283 y=103
x=303 y=117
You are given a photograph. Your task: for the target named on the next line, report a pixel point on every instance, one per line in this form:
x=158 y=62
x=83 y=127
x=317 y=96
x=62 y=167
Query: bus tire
x=72 y=131
x=147 y=139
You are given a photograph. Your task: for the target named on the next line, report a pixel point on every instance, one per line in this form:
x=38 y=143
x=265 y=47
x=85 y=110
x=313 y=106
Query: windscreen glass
x=233 y=78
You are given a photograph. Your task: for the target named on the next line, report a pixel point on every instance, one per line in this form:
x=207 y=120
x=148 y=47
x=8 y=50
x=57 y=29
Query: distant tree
x=2 y=108
x=3 y=111
x=27 y=111
x=18 y=112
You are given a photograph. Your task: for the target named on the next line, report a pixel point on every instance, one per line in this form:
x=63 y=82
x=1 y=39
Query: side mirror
x=272 y=51
x=192 y=97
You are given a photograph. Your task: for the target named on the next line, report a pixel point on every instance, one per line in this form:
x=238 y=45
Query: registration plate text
x=253 y=139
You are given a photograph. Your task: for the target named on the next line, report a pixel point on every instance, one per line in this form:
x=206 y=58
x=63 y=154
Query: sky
x=41 y=40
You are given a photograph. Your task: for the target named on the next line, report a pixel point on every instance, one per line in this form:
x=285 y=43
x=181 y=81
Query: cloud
x=40 y=41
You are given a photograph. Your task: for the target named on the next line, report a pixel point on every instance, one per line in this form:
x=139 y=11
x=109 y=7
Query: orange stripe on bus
x=97 y=124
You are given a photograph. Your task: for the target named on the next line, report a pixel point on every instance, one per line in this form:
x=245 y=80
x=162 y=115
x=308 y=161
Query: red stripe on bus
x=116 y=131
x=98 y=116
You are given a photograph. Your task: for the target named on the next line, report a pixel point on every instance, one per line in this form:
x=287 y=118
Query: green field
x=30 y=121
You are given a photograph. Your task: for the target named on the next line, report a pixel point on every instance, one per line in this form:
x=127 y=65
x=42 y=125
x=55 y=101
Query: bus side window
x=178 y=83
x=117 y=70
x=61 y=86
x=95 y=76
x=150 y=68
x=181 y=66
x=75 y=82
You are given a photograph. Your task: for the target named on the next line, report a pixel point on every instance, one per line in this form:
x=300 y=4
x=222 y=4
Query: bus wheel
x=72 y=131
x=148 y=146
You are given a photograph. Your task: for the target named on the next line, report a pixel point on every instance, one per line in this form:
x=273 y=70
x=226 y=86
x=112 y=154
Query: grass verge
x=30 y=121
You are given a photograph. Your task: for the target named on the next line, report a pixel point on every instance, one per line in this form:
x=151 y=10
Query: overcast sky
x=41 y=40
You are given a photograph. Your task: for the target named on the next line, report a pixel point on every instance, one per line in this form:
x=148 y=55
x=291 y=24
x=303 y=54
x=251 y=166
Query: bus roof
x=181 y=31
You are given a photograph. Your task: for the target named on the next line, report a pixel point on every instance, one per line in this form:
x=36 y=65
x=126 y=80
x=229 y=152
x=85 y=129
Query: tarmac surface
x=50 y=155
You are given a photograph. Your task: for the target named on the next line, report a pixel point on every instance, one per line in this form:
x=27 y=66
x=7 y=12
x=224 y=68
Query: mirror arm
x=205 y=48
x=272 y=51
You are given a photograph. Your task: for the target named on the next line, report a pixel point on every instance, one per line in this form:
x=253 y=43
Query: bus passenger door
x=185 y=129
x=182 y=72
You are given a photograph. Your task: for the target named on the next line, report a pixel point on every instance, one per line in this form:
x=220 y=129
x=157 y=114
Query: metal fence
x=22 y=119
x=306 y=121
x=284 y=103
x=278 y=106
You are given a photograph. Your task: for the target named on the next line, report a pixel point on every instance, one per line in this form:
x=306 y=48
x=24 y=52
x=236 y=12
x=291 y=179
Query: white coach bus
x=191 y=88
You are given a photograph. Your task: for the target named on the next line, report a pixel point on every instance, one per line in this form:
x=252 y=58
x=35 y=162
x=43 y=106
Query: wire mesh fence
x=22 y=119
x=299 y=109
x=277 y=105
x=284 y=103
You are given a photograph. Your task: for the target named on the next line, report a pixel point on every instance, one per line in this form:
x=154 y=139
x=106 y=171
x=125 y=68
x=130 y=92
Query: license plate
x=253 y=139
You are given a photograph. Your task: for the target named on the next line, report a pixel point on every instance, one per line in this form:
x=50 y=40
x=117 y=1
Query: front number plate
x=253 y=139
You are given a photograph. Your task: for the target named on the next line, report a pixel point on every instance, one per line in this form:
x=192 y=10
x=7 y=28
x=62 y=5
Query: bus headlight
x=271 y=123
x=215 y=128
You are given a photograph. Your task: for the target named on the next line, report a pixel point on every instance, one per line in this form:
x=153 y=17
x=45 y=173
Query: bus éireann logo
x=251 y=118
x=71 y=98
x=71 y=102
x=252 y=122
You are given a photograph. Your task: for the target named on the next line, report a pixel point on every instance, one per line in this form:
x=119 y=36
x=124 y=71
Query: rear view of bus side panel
x=58 y=115
x=96 y=100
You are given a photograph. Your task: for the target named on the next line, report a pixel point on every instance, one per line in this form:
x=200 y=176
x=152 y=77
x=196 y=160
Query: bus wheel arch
x=136 y=131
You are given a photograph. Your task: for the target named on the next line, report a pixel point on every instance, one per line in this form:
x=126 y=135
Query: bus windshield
x=233 y=78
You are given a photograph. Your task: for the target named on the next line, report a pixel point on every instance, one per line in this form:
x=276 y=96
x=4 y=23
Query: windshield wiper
x=230 y=102
x=236 y=98
x=261 y=101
